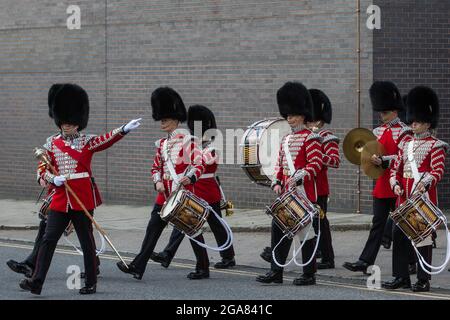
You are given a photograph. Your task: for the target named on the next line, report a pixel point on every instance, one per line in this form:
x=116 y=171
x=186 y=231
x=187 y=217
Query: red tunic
x=330 y=151
x=305 y=148
x=72 y=157
x=429 y=155
x=185 y=156
x=391 y=135
x=207 y=188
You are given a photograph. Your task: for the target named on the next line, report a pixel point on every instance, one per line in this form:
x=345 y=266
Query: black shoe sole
x=349 y=268
x=277 y=281
x=405 y=286
x=87 y=291
x=225 y=266
x=304 y=283
x=197 y=277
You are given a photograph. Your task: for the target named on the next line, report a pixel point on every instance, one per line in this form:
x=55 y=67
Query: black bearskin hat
x=71 y=105
x=167 y=103
x=402 y=113
x=294 y=98
x=385 y=96
x=423 y=106
x=51 y=96
x=203 y=114
x=321 y=106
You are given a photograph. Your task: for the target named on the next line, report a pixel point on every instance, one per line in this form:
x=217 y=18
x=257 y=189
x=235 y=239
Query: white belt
x=207 y=175
x=73 y=176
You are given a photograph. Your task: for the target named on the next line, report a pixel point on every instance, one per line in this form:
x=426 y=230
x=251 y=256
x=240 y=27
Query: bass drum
x=259 y=150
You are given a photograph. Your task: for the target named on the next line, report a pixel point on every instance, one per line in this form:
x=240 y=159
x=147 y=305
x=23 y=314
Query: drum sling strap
x=306 y=235
x=422 y=262
x=172 y=172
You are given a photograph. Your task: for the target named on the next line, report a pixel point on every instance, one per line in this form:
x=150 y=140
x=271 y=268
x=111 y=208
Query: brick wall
x=229 y=55
x=413 y=48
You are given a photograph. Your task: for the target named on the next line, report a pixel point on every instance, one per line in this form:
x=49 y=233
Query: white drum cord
x=295 y=252
x=98 y=252
x=442 y=267
x=227 y=228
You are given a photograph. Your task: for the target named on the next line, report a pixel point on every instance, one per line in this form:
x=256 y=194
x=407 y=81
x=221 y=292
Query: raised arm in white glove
x=59 y=180
x=133 y=124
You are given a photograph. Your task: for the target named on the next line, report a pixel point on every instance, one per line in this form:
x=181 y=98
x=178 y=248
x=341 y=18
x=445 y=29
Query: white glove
x=133 y=124
x=59 y=180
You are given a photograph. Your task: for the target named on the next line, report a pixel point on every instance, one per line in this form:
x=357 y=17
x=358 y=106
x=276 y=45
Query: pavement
x=126 y=226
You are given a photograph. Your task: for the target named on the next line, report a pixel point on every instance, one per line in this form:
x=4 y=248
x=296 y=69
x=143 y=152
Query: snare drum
x=418 y=217
x=186 y=212
x=292 y=212
x=259 y=149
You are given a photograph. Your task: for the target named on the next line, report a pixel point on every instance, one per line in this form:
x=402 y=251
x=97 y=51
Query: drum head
x=171 y=204
x=269 y=146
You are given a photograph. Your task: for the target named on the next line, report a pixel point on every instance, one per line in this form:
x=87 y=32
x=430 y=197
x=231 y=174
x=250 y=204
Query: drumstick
x=421 y=177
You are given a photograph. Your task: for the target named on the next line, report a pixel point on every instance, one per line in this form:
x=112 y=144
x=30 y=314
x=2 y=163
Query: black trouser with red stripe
x=56 y=224
x=325 y=241
x=31 y=259
x=155 y=227
x=381 y=209
x=217 y=229
x=402 y=251
x=282 y=250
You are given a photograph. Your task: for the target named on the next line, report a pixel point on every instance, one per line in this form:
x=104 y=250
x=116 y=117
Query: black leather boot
x=225 y=264
x=88 y=289
x=131 y=270
x=305 y=280
x=397 y=283
x=20 y=267
x=32 y=286
x=421 y=286
x=198 y=274
x=271 y=276
x=161 y=257
x=356 y=266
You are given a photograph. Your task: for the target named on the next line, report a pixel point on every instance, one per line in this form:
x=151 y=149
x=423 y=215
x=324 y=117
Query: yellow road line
x=252 y=274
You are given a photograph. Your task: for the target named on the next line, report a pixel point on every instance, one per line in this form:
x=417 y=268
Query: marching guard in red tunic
x=70 y=153
x=322 y=113
x=177 y=162
x=305 y=148
x=207 y=188
x=425 y=155
x=387 y=100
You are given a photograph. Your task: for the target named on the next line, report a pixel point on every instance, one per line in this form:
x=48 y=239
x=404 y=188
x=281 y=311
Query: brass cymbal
x=371 y=148
x=354 y=142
